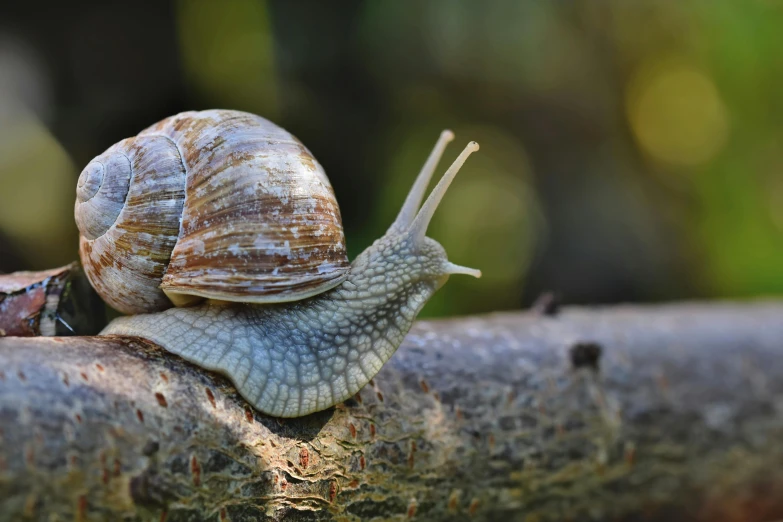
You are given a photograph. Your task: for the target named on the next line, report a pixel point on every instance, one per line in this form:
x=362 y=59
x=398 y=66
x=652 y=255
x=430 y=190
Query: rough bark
x=51 y=302
x=627 y=413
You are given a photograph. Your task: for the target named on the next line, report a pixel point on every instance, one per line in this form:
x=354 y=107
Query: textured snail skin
x=292 y=359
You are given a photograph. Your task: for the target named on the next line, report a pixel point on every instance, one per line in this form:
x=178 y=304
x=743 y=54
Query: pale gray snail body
x=293 y=326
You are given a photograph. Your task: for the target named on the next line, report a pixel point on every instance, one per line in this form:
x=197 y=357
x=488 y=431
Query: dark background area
x=630 y=151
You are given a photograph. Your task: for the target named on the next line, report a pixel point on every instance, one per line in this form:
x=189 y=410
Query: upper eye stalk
x=413 y=221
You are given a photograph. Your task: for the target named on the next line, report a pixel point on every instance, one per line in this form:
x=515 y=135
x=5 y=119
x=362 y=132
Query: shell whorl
x=100 y=197
x=125 y=257
x=257 y=218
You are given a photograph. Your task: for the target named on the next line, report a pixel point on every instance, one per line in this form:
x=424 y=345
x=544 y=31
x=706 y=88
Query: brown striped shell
x=218 y=204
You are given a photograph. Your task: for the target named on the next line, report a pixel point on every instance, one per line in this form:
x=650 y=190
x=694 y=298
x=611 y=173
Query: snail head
x=413 y=254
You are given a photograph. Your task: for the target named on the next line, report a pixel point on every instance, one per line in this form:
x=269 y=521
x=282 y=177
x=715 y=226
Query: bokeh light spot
x=775 y=203
x=227 y=53
x=676 y=114
x=37 y=191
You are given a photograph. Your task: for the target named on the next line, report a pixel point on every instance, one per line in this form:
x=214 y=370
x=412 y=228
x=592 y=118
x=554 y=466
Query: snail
x=220 y=233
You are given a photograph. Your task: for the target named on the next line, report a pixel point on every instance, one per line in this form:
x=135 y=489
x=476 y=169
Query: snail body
x=303 y=344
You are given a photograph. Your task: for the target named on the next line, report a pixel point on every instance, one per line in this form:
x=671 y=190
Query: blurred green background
x=630 y=151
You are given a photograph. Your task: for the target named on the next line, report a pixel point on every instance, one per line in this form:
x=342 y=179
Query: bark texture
x=626 y=413
x=59 y=301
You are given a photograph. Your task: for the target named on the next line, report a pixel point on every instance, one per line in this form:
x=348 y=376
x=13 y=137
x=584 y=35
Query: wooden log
x=628 y=413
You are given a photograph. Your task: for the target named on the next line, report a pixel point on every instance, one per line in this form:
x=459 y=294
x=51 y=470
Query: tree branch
x=59 y=301
x=627 y=413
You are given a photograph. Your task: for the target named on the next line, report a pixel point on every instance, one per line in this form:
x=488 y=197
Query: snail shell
x=216 y=204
